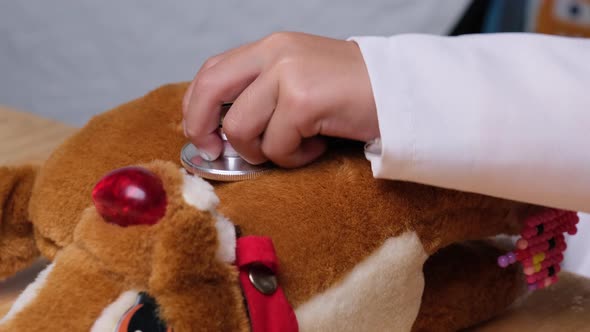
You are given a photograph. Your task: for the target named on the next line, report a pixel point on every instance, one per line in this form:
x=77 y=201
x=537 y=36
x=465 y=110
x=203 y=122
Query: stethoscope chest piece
x=228 y=167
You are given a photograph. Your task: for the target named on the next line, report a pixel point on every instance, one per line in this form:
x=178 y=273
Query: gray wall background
x=68 y=59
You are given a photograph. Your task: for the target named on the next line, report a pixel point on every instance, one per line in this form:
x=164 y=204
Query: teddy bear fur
x=325 y=219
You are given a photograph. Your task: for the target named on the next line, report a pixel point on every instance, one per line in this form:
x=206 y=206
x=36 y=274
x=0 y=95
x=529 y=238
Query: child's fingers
x=283 y=143
x=249 y=116
x=220 y=83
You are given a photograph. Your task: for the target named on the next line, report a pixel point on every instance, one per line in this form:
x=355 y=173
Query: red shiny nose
x=130 y=196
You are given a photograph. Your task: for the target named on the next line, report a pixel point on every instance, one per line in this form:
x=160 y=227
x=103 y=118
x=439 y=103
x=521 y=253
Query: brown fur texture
x=17 y=246
x=448 y=271
x=75 y=280
x=143 y=130
x=324 y=219
x=347 y=215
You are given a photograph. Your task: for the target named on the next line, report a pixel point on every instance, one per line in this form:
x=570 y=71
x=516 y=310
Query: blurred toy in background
x=562 y=17
x=555 y=17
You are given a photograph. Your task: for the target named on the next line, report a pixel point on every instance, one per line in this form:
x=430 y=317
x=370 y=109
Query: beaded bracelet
x=541 y=245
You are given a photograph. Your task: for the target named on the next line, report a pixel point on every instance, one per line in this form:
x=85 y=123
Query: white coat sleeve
x=506 y=115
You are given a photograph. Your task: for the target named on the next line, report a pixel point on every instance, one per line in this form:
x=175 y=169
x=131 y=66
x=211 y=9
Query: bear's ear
x=17 y=245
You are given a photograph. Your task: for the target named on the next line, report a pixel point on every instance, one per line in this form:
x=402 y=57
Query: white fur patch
x=111 y=315
x=226 y=235
x=382 y=293
x=28 y=295
x=198 y=192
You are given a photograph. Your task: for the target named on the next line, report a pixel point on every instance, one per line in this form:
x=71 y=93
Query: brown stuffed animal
x=354 y=253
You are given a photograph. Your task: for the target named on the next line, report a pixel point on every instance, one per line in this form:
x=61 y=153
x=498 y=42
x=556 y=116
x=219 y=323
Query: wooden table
x=27 y=138
x=563 y=307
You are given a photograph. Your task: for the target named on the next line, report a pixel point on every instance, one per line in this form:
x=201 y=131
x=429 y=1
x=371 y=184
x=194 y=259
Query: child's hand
x=287 y=89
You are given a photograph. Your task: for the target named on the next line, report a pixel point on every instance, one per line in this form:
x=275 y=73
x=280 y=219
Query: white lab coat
x=506 y=115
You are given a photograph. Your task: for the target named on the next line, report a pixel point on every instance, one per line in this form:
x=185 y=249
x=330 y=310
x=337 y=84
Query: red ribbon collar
x=270 y=312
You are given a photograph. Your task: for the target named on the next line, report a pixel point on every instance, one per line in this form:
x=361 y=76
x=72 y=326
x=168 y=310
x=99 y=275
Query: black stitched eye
x=142 y=317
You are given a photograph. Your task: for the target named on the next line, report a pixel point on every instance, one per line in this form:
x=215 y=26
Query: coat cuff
x=392 y=155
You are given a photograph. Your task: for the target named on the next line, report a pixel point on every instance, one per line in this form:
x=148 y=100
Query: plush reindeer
x=150 y=247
